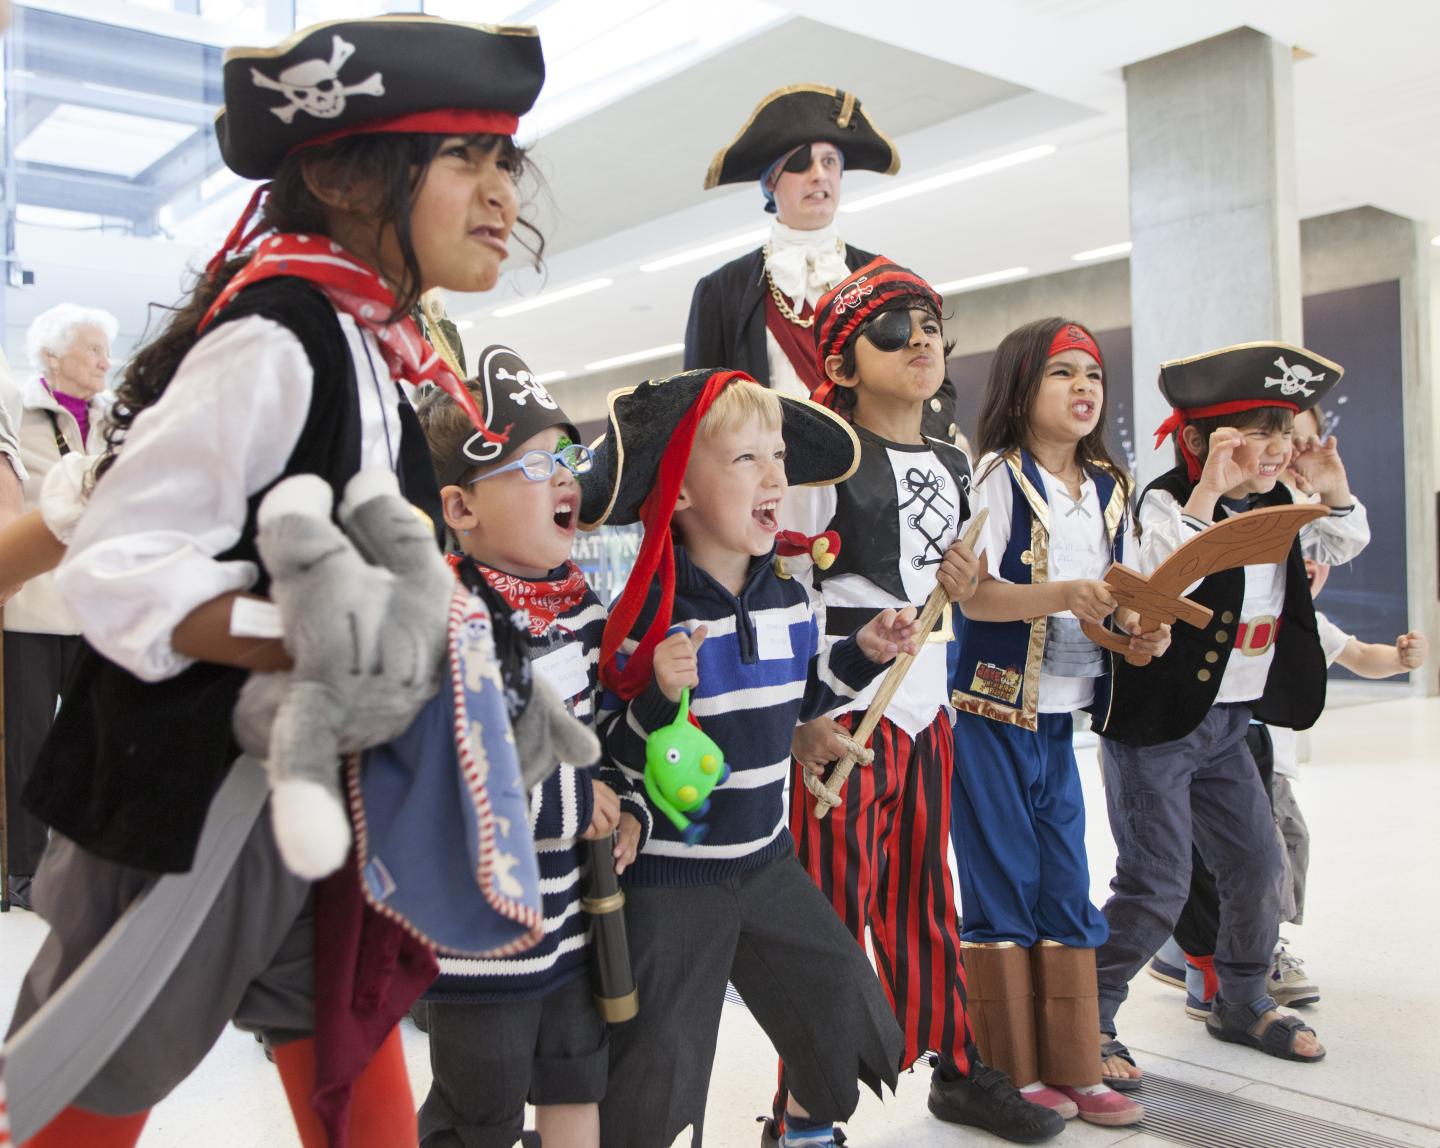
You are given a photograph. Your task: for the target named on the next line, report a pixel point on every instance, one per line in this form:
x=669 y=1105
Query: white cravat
x=805 y=264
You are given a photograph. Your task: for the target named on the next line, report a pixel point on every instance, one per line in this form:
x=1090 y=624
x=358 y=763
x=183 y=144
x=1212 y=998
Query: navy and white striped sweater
x=567 y=655
x=761 y=674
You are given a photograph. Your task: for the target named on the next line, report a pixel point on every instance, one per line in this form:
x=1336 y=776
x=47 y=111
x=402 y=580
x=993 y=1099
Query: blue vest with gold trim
x=998 y=671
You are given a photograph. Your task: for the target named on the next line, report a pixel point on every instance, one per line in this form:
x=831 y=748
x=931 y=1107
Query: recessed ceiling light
x=701 y=252
x=551 y=376
x=945 y=179
x=92 y=139
x=1102 y=252
x=636 y=357
x=1435 y=242
x=552 y=297
x=979 y=280
x=464 y=324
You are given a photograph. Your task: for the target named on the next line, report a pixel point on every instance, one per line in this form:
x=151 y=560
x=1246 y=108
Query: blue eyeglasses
x=539 y=465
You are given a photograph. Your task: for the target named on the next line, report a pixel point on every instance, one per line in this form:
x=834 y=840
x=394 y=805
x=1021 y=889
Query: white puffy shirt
x=143 y=554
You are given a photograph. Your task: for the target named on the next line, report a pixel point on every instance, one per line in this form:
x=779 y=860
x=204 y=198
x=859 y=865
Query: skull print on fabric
x=1296 y=379
x=315 y=87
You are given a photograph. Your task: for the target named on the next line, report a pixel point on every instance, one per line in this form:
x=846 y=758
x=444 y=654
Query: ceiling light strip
x=716 y=248
x=945 y=179
x=636 y=357
x=956 y=285
x=552 y=297
x=1102 y=252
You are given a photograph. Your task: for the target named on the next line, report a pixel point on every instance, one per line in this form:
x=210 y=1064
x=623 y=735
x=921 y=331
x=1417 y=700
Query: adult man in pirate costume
x=755 y=313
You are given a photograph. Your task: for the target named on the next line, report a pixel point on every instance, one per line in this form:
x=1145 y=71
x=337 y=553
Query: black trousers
x=36 y=666
x=1198 y=928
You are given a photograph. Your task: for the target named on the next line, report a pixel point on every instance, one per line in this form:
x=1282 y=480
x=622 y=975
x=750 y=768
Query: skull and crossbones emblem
x=529 y=388
x=1293 y=380
x=852 y=295
x=315 y=88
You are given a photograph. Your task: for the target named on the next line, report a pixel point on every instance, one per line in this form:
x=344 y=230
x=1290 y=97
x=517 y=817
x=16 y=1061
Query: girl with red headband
x=1177 y=767
x=1059 y=506
x=386 y=146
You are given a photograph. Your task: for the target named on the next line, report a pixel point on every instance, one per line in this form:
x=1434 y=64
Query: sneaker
x=1168 y=965
x=986 y=1099
x=20 y=892
x=1196 y=1008
x=1197 y=1005
x=1053 y=1099
x=1107 y=1108
x=1288 y=983
x=771 y=1138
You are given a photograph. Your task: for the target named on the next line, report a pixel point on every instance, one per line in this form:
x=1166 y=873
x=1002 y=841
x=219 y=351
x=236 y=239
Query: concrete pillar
x=1216 y=240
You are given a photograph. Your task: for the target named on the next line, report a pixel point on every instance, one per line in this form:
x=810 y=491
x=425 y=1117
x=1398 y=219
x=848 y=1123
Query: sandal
x=1113 y=1047
x=1236 y=1023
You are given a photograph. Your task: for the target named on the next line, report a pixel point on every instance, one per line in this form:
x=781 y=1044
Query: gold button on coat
x=1221 y=637
x=1203 y=675
x=1227 y=617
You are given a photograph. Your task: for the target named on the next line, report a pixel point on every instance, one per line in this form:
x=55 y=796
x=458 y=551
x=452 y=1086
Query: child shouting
x=1058 y=518
x=524 y=1028
x=1176 y=765
x=717 y=452
x=881 y=856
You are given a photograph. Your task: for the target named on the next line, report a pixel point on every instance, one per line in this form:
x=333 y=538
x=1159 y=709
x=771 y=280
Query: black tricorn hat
x=512 y=404
x=1253 y=374
x=408 y=73
x=820 y=447
x=794 y=116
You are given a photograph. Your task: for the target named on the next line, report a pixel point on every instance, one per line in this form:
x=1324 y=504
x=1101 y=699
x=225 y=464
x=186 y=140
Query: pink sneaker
x=1109 y=1108
x=1058 y=1102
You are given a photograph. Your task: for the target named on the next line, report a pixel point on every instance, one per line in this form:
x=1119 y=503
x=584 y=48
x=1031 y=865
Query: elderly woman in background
x=61 y=411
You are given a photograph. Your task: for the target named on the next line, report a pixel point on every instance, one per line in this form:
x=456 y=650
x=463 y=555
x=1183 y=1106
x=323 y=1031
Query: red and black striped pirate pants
x=881 y=858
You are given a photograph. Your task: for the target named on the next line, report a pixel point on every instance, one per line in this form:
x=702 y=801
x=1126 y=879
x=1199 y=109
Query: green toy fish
x=682 y=766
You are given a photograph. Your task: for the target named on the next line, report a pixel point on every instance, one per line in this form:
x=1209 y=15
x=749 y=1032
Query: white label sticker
x=773 y=638
x=565 y=670
x=252 y=618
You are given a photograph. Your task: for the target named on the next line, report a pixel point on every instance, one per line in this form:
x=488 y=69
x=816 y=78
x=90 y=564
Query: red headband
x=657 y=552
x=1175 y=425
x=1073 y=337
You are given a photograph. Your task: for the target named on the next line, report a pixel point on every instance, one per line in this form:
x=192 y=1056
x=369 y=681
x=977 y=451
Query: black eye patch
x=888 y=331
x=799 y=161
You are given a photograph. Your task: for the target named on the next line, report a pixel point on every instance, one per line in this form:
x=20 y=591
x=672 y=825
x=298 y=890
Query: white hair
x=53 y=330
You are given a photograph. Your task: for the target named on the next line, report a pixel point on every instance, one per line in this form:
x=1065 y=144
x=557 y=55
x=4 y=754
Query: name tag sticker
x=773 y=639
x=565 y=670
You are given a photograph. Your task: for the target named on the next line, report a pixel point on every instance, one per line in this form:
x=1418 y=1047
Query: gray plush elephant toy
x=364 y=618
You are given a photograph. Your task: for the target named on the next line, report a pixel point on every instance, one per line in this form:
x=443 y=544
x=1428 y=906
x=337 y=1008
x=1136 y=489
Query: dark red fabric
x=368 y=973
x=1175 y=425
x=544 y=600
x=798 y=343
x=794 y=544
x=356 y=289
x=881 y=859
x=657 y=553
x=436 y=122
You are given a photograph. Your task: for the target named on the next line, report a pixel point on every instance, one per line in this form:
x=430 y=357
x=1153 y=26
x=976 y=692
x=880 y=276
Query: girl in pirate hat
x=386 y=146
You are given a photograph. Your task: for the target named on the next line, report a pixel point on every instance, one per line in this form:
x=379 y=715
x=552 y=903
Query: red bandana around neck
x=544 y=599
x=657 y=553
x=357 y=290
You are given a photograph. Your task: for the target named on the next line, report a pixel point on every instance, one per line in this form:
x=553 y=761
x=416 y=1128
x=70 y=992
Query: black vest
x=130 y=767
x=867 y=513
x=1167 y=699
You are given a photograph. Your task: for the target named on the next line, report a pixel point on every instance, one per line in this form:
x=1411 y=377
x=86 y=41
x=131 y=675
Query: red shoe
x=1108 y=1108
x=1057 y=1102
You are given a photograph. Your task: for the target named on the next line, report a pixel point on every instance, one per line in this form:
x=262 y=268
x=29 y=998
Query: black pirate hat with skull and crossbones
x=512 y=404
x=406 y=73
x=1241 y=378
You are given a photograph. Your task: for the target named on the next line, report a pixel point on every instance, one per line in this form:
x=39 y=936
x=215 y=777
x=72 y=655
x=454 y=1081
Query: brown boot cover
x=1001 y=1008
x=1067 y=1014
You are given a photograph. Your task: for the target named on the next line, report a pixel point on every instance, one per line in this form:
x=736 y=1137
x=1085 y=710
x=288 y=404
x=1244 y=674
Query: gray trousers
x=251 y=962
x=1202 y=790
x=805 y=980
x=1296 y=835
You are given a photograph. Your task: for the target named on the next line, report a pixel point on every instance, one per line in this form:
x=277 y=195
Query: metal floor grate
x=1188 y=1114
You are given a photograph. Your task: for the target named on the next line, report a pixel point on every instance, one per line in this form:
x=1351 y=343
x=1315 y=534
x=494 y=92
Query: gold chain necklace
x=781 y=303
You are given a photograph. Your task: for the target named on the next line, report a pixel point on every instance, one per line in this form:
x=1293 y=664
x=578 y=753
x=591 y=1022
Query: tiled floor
x=1370 y=793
